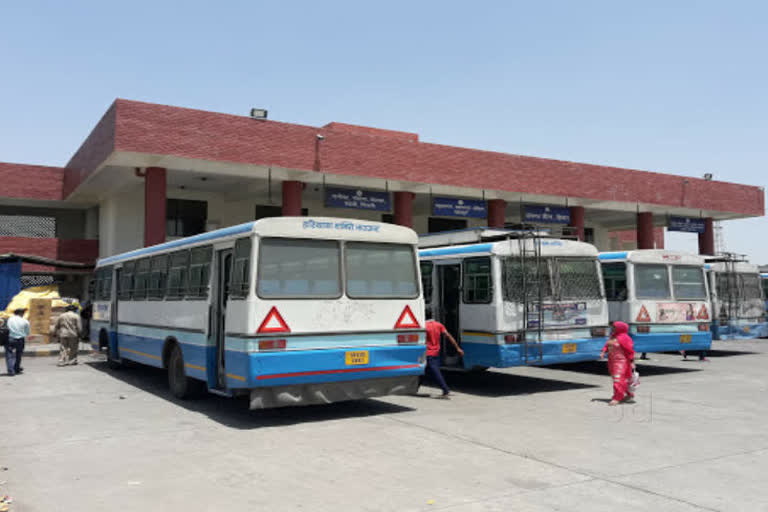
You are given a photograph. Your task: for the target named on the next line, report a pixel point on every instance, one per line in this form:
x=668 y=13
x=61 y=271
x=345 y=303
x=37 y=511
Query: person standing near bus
x=434 y=330
x=18 y=330
x=68 y=330
x=621 y=356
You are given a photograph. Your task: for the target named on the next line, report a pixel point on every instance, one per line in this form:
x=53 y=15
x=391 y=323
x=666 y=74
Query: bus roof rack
x=476 y=235
x=727 y=257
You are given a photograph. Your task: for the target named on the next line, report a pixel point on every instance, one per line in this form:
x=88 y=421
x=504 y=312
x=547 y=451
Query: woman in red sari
x=621 y=361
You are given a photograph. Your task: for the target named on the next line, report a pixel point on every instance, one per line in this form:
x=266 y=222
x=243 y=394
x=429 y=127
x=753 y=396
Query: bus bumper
x=740 y=330
x=547 y=352
x=329 y=392
x=671 y=342
x=305 y=373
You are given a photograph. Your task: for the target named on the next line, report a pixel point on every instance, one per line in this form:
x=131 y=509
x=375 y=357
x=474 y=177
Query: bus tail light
x=271 y=344
x=704 y=327
x=598 y=332
x=407 y=338
x=644 y=328
x=514 y=338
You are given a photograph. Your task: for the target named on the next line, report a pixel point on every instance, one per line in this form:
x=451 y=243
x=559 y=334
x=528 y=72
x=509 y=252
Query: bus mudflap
x=329 y=392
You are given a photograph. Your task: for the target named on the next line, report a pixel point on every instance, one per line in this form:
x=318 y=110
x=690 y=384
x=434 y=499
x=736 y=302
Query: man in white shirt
x=18 y=330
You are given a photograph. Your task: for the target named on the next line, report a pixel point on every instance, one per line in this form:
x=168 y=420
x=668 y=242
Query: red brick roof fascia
x=24 y=181
x=187 y=133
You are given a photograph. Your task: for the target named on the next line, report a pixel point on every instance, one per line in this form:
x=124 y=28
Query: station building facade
x=148 y=173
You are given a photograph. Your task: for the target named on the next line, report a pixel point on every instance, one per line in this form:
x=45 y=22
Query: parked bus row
x=295 y=311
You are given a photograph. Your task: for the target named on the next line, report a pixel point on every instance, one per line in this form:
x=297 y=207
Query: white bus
x=662 y=295
x=522 y=300
x=737 y=299
x=293 y=310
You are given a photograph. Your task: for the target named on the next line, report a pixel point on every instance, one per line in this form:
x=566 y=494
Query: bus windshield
x=651 y=282
x=688 y=283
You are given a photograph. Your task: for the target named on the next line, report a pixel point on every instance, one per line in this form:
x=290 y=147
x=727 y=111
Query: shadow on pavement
x=495 y=384
x=233 y=412
x=601 y=368
x=728 y=353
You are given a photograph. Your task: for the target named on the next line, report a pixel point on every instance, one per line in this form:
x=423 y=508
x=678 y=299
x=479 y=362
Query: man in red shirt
x=434 y=330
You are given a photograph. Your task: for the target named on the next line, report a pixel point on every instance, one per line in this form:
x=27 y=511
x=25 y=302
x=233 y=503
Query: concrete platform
x=88 y=438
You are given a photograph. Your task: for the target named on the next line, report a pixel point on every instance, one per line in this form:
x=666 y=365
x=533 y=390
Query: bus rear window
x=750 y=283
x=297 y=268
x=578 y=278
x=651 y=282
x=380 y=271
x=688 y=283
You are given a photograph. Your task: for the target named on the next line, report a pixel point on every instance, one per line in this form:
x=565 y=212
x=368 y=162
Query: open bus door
x=449 y=280
x=218 y=314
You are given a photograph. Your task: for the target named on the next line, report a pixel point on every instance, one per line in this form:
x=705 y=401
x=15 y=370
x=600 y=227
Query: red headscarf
x=620 y=330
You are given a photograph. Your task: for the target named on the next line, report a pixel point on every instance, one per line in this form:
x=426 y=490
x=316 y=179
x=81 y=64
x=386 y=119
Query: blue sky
x=675 y=87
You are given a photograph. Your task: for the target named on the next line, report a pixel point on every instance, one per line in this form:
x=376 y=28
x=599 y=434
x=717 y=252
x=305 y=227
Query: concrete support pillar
x=292 y=198
x=577 y=221
x=404 y=209
x=496 y=213
x=707 y=238
x=154 y=205
x=645 y=230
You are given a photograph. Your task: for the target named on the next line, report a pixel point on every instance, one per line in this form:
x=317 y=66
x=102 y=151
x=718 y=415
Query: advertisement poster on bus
x=558 y=315
x=675 y=312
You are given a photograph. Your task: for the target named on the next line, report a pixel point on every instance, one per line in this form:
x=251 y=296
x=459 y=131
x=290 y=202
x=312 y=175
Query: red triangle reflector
x=703 y=313
x=643 y=315
x=407 y=320
x=273 y=322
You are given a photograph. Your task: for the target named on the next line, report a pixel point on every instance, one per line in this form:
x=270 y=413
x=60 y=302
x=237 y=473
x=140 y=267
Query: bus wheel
x=182 y=387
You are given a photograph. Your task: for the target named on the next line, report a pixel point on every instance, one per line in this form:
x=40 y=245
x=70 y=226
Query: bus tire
x=181 y=386
x=112 y=360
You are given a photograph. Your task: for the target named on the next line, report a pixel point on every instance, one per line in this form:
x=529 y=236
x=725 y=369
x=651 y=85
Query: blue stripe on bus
x=464 y=249
x=175 y=244
x=504 y=356
x=612 y=256
x=670 y=342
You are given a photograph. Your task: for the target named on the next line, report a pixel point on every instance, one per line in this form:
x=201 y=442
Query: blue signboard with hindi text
x=687 y=224
x=455 y=207
x=547 y=214
x=357 y=198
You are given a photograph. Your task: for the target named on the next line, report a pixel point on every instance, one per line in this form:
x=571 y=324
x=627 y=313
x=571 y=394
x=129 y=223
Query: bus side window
x=240 y=285
x=615 y=279
x=199 y=272
x=477 y=281
x=177 y=275
x=141 y=279
x=126 y=280
x=157 y=277
x=426 y=280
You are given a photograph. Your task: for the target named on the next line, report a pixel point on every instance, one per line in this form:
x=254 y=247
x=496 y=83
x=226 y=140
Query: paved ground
x=89 y=439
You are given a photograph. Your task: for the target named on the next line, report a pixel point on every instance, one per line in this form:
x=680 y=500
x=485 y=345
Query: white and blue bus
x=738 y=305
x=522 y=299
x=663 y=297
x=291 y=310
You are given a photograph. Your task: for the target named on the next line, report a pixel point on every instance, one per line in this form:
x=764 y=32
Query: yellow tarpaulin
x=22 y=299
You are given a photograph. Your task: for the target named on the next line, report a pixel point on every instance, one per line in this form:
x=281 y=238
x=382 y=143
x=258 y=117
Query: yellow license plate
x=685 y=338
x=356 y=357
x=569 y=348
